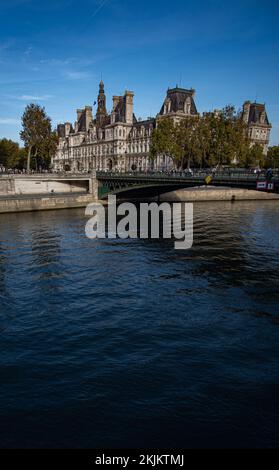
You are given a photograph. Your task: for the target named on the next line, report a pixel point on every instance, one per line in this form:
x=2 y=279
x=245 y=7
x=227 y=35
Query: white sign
x=261 y=185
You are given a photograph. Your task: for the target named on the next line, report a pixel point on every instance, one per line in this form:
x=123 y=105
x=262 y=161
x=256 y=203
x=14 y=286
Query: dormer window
x=187 y=106
x=167 y=106
x=262 y=117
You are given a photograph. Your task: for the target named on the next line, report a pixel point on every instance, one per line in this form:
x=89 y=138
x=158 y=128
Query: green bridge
x=140 y=184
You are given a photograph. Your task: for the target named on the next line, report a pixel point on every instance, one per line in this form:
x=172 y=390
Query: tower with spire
x=102 y=110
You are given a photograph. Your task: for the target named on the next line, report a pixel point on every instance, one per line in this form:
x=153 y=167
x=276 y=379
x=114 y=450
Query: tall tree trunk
x=29 y=158
x=35 y=156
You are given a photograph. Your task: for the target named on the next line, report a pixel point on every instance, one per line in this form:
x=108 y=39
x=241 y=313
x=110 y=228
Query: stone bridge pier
x=94 y=185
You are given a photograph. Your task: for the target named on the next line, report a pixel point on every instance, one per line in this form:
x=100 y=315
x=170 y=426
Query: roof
x=255 y=113
x=61 y=129
x=177 y=97
x=82 y=122
x=147 y=123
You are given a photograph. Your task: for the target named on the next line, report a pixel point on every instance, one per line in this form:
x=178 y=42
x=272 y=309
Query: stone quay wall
x=31 y=203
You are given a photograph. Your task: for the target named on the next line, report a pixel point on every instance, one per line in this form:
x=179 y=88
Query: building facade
x=259 y=127
x=117 y=140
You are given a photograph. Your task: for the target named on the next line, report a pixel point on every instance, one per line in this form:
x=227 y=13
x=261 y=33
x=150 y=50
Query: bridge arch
x=141 y=185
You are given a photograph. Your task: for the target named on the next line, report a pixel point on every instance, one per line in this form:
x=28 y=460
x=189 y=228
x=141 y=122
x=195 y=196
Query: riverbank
x=205 y=194
x=30 y=203
x=41 y=202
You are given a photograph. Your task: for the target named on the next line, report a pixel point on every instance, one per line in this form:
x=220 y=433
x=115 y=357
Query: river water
x=113 y=343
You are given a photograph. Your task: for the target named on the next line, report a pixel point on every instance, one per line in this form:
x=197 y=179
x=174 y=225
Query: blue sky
x=54 y=53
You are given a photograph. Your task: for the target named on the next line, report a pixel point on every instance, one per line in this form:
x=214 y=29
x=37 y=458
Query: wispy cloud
x=28 y=51
x=6 y=45
x=57 y=62
x=34 y=97
x=7 y=121
x=69 y=61
x=76 y=75
x=28 y=97
x=100 y=4
x=99 y=8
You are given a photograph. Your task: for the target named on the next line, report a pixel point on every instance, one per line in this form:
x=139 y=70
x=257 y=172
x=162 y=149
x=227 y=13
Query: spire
x=101 y=87
x=101 y=111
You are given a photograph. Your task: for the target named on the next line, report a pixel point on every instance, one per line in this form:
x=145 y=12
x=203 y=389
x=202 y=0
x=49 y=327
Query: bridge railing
x=56 y=175
x=219 y=175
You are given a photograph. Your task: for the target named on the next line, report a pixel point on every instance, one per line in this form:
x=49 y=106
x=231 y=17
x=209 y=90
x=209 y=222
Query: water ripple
x=111 y=343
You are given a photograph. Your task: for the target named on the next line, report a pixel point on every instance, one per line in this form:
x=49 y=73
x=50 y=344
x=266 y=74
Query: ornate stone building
x=117 y=140
x=254 y=115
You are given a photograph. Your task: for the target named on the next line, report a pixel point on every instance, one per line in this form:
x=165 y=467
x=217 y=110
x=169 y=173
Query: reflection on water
x=112 y=343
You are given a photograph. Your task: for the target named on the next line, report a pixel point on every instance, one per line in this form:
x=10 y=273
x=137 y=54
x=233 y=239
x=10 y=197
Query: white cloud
x=9 y=121
x=34 y=98
x=57 y=62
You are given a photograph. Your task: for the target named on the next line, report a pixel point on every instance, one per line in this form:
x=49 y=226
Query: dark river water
x=116 y=344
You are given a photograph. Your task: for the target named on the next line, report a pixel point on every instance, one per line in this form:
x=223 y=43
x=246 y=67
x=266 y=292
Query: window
x=187 y=106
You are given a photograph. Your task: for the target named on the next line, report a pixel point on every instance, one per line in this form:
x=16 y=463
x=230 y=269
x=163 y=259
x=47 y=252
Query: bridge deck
x=120 y=182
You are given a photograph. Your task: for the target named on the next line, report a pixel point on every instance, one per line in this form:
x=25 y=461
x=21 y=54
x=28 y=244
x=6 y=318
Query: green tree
x=241 y=144
x=272 y=159
x=215 y=139
x=186 y=145
x=9 y=152
x=222 y=136
x=203 y=143
x=163 y=140
x=254 y=157
x=11 y=155
x=21 y=159
x=36 y=132
x=47 y=150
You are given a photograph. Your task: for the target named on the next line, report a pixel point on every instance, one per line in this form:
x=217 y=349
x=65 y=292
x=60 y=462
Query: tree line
x=215 y=139
x=11 y=155
x=40 y=142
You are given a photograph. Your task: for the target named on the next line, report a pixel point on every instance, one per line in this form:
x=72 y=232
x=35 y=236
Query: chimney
x=88 y=117
x=61 y=130
x=246 y=111
x=115 y=100
x=79 y=113
x=67 y=128
x=129 y=107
